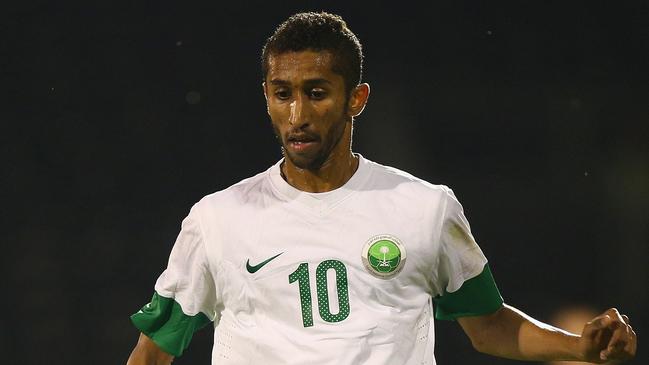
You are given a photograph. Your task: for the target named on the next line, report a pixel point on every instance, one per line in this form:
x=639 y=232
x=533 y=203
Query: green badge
x=384 y=256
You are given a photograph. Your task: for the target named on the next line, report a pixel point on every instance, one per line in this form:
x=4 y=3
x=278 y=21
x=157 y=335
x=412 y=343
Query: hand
x=608 y=337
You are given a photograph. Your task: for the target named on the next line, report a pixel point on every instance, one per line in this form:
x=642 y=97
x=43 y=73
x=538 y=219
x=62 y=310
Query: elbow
x=485 y=331
x=484 y=337
x=480 y=344
x=478 y=335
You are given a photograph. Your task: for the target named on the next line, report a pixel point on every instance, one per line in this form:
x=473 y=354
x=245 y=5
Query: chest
x=368 y=254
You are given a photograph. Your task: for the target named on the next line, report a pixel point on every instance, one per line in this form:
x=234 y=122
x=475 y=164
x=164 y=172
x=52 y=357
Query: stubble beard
x=320 y=157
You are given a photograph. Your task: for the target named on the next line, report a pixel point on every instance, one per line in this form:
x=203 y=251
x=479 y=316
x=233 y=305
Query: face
x=308 y=107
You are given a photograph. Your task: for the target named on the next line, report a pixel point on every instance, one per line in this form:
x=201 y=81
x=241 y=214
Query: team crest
x=384 y=256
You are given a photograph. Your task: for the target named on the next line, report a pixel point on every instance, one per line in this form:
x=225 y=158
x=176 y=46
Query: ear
x=263 y=87
x=358 y=100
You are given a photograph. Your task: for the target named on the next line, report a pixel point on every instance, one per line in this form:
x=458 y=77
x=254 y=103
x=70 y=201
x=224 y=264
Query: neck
x=334 y=172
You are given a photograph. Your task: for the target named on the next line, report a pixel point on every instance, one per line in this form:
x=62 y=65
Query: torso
x=265 y=315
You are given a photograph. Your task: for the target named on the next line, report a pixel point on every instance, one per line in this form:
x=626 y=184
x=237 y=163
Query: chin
x=305 y=162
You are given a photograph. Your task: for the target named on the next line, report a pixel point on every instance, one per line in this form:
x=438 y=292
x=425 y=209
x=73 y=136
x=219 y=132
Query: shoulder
x=245 y=192
x=388 y=177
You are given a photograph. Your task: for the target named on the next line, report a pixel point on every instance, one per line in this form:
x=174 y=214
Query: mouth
x=301 y=142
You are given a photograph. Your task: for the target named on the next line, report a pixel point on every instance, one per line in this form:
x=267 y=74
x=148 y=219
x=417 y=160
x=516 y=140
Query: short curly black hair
x=318 y=32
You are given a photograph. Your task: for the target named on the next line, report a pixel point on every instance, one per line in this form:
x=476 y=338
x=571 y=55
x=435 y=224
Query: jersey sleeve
x=466 y=285
x=185 y=294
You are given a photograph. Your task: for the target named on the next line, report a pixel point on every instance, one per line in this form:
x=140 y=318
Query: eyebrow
x=308 y=81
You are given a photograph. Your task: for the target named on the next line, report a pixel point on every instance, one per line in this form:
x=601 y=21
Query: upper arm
x=185 y=296
x=498 y=328
x=464 y=283
x=476 y=326
x=146 y=352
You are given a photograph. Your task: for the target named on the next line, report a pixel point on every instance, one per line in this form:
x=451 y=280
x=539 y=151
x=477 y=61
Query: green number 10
x=301 y=275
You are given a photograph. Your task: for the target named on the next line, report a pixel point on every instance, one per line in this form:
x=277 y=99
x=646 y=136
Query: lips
x=301 y=142
x=301 y=137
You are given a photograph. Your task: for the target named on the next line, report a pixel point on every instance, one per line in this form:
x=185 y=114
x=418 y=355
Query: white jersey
x=345 y=277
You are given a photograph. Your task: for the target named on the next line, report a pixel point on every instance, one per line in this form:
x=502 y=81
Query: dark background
x=116 y=118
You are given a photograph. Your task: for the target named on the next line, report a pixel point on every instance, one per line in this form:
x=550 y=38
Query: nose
x=299 y=113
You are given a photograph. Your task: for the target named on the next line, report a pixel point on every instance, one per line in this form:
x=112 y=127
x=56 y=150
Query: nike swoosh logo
x=254 y=268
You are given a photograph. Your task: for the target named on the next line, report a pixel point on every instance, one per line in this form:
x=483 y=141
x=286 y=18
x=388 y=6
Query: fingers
x=616 y=345
x=632 y=346
x=626 y=319
x=613 y=312
x=596 y=325
x=623 y=341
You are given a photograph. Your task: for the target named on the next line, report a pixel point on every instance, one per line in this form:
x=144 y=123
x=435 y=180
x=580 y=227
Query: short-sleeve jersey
x=345 y=277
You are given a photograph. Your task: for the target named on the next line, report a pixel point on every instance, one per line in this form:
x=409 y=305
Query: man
x=329 y=258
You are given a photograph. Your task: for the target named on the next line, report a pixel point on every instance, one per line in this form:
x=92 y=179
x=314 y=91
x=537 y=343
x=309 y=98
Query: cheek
x=276 y=124
x=333 y=112
x=325 y=112
x=277 y=116
x=330 y=111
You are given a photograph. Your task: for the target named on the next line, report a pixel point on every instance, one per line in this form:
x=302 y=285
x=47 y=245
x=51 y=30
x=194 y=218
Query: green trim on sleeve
x=164 y=322
x=477 y=296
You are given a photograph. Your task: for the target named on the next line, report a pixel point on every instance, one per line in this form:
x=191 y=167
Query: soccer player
x=329 y=258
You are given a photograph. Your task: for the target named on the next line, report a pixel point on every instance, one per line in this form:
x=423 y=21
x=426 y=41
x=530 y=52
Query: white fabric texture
x=258 y=316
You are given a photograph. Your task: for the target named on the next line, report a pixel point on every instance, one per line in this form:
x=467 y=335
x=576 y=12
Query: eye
x=317 y=94
x=282 y=94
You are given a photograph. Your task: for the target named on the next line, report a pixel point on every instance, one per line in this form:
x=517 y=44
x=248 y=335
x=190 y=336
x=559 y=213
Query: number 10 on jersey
x=301 y=275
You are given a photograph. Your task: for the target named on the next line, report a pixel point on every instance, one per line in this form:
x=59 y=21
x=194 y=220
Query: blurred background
x=116 y=118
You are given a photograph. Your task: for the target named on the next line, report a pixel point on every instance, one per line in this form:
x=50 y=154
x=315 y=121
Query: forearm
x=146 y=352
x=512 y=334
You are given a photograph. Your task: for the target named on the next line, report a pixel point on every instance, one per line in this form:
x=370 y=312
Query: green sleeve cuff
x=476 y=297
x=164 y=322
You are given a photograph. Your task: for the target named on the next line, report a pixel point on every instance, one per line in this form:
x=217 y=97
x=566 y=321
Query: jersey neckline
x=319 y=200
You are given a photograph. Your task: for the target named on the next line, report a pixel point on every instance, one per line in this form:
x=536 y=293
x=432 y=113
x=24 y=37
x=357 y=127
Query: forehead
x=302 y=65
